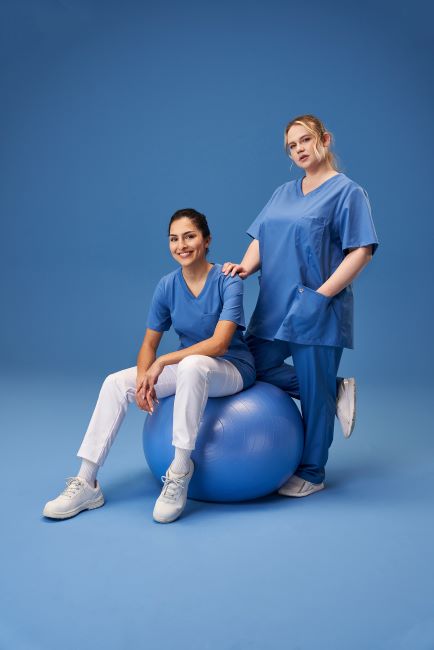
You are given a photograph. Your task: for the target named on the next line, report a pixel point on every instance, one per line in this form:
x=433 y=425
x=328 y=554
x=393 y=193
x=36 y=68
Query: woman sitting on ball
x=206 y=310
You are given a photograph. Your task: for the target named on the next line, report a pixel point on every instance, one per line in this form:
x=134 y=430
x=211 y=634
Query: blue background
x=113 y=115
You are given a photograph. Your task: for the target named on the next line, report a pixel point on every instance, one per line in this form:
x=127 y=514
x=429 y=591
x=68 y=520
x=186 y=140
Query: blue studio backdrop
x=114 y=114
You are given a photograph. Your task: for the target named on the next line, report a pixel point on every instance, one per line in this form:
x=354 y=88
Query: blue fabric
x=302 y=241
x=313 y=378
x=195 y=318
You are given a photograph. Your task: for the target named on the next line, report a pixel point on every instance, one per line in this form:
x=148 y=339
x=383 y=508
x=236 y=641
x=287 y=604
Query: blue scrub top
x=302 y=241
x=195 y=318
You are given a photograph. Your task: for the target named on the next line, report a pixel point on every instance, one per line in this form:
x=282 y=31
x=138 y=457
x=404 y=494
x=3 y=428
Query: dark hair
x=196 y=217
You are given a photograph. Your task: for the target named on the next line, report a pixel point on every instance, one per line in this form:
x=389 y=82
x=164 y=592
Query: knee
x=114 y=381
x=194 y=364
x=109 y=380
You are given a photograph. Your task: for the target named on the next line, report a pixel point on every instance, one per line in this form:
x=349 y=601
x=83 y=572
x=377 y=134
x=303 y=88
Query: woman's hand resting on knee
x=145 y=386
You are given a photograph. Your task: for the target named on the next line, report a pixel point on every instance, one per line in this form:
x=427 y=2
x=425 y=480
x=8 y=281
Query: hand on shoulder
x=232 y=269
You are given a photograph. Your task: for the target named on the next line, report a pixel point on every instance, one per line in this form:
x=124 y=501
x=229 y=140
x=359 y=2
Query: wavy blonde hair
x=316 y=127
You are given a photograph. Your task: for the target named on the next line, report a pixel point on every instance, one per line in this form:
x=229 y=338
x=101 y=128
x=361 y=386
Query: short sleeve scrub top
x=194 y=318
x=302 y=241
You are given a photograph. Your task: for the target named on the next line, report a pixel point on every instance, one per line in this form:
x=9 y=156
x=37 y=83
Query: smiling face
x=304 y=149
x=187 y=244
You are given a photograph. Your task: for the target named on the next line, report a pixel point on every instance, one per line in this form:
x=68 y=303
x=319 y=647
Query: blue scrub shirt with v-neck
x=302 y=240
x=194 y=318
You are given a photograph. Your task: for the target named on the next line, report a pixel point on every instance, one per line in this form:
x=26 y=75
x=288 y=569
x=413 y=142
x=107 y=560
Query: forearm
x=208 y=347
x=251 y=261
x=347 y=270
x=145 y=358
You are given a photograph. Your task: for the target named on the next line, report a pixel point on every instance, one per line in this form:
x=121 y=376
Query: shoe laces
x=172 y=487
x=73 y=485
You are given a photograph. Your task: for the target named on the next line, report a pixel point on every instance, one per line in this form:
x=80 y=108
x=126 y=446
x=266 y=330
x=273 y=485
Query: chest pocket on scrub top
x=309 y=241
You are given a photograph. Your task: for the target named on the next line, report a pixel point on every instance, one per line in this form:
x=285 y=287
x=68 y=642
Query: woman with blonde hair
x=310 y=241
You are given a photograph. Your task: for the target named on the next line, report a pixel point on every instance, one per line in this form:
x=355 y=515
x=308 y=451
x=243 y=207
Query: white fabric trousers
x=192 y=380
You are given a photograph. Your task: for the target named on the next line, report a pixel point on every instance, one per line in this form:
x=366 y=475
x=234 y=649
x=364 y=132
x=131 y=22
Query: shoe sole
x=305 y=494
x=89 y=505
x=353 y=421
x=167 y=521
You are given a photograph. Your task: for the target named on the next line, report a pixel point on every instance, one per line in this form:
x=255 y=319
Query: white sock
x=181 y=462
x=88 y=471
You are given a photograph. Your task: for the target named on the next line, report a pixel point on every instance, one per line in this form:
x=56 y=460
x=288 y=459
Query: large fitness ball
x=248 y=444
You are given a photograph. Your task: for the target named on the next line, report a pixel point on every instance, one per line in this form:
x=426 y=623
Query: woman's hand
x=233 y=269
x=141 y=401
x=145 y=386
x=139 y=380
x=250 y=263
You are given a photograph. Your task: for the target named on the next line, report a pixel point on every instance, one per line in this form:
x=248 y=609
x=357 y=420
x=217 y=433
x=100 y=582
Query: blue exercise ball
x=248 y=444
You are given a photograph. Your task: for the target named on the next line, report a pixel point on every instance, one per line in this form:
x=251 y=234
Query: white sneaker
x=173 y=497
x=77 y=496
x=298 y=487
x=346 y=405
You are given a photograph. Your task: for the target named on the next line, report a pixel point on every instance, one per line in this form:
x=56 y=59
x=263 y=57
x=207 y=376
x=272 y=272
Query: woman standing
x=310 y=241
x=213 y=360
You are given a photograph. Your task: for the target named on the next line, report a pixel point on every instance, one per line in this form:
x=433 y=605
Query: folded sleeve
x=232 y=296
x=159 y=318
x=253 y=229
x=356 y=226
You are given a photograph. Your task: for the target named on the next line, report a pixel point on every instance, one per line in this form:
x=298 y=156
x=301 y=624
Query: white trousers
x=192 y=380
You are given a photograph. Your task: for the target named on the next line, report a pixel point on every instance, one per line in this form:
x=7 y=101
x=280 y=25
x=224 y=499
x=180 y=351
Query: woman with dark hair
x=206 y=309
x=310 y=241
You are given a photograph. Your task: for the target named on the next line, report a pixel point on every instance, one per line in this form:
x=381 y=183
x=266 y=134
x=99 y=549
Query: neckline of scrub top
x=187 y=288
x=300 y=190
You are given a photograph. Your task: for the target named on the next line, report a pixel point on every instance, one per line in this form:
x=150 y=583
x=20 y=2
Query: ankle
x=88 y=472
x=181 y=463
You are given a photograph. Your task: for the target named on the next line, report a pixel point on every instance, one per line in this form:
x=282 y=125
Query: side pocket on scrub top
x=310 y=314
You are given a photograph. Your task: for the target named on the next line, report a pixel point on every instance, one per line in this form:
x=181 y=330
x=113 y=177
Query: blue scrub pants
x=312 y=380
